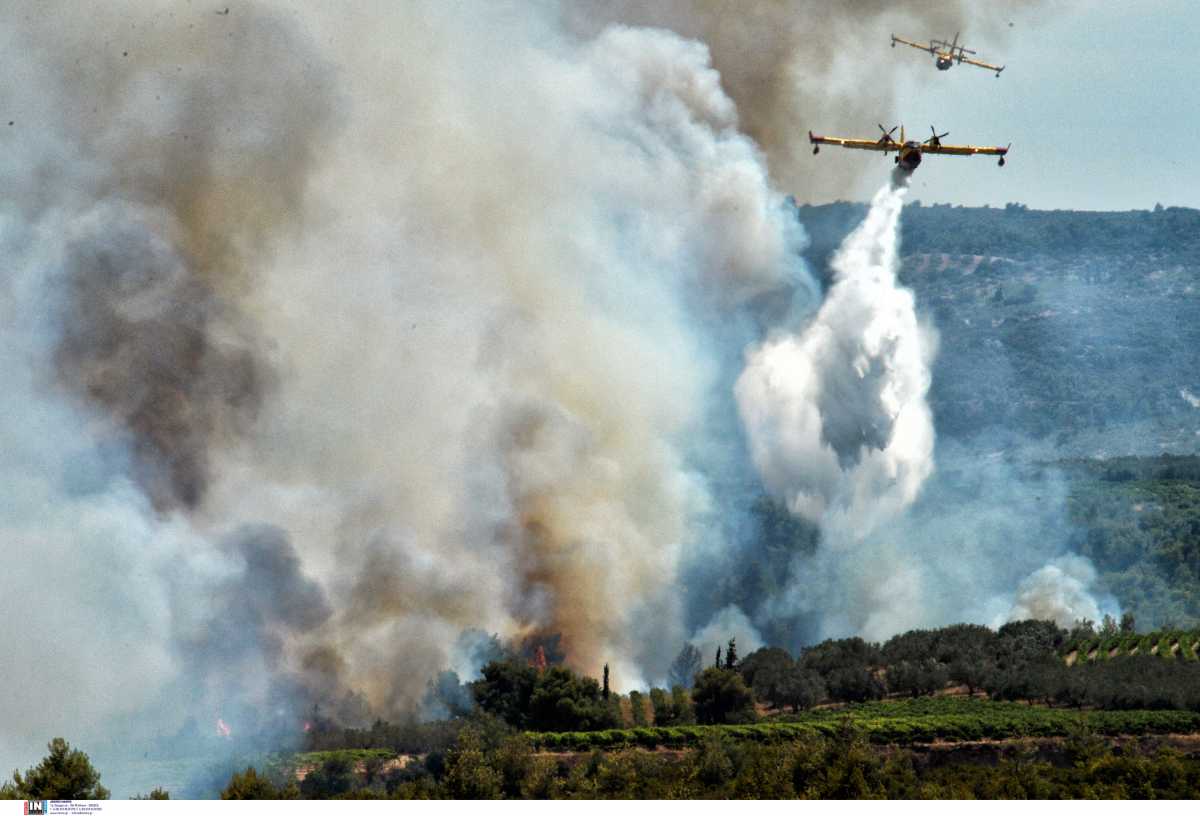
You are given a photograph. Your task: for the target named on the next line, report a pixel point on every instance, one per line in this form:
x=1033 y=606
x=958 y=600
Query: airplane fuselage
x=909 y=157
x=944 y=63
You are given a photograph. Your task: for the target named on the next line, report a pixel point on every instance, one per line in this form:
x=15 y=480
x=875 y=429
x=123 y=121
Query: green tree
x=637 y=708
x=972 y=669
x=156 y=794
x=469 y=775
x=660 y=704
x=917 y=677
x=604 y=690
x=513 y=760
x=731 y=658
x=63 y=774
x=829 y=655
x=1128 y=625
x=799 y=688
x=852 y=684
x=721 y=696
x=760 y=665
x=505 y=690
x=841 y=767
x=681 y=702
x=249 y=785
x=334 y=777
x=714 y=762
x=563 y=701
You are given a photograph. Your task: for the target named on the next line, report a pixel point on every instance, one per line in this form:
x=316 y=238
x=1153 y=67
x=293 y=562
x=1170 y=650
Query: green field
x=949 y=719
x=285 y=765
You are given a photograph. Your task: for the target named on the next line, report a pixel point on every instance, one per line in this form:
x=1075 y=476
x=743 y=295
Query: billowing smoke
x=339 y=340
x=798 y=65
x=729 y=623
x=360 y=341
x=145 y=338
x=1061 y=591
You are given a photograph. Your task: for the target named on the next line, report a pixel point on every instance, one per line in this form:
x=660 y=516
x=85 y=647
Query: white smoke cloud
x=1061 y=591
x=726 y=624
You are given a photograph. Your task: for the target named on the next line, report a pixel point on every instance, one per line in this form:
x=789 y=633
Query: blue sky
x=1100 y=100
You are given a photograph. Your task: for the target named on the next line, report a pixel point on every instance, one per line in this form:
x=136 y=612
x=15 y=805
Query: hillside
x=1065 y=333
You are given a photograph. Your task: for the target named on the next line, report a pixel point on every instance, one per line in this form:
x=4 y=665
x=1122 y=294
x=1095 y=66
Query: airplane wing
x=981 y=64
x=855 y=144
x=896 y=39
x=963 y=150
x=951 y=48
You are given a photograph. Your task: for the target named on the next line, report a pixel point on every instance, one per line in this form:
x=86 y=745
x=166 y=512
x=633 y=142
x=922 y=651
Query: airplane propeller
x=887 y=134
x=936 y=139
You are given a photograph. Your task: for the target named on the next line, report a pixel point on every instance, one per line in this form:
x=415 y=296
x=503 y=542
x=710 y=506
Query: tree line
x=489 y=761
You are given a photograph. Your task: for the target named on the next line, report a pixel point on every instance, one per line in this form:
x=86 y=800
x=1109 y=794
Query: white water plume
x=837 y=418
x=841 y=431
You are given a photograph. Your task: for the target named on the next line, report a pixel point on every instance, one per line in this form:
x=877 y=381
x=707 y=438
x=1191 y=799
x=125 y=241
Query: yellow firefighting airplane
x=908 y=153
x=947 y=53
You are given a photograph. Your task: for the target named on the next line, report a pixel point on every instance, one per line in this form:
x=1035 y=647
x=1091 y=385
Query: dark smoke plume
x=150 y=342
x=184 y=152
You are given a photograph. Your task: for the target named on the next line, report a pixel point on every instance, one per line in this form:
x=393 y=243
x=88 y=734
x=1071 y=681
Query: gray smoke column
x=496 y=414
x=171 y=151
x=337 y=332
x=150 y=159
